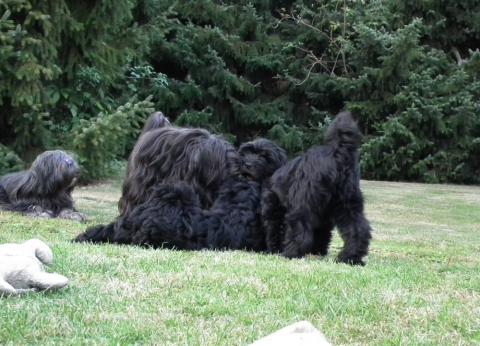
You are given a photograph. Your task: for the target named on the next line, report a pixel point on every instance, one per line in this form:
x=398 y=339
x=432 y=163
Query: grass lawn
x=421 y=285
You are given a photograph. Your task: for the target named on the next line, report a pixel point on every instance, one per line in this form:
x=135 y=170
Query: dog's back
x=10 y=185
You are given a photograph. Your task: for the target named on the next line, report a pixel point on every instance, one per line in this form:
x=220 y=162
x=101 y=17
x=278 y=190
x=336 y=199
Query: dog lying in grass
x=44 y=190
x=22 y=265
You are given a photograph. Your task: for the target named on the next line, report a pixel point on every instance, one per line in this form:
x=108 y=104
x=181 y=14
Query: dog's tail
x=41 y=250
x=97 y=234
x=156 y=121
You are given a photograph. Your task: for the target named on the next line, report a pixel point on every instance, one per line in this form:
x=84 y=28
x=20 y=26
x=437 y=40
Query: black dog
x=260 y=158
x=166 y=154
x=173 y=217
x=43 y=190
x=315 y=192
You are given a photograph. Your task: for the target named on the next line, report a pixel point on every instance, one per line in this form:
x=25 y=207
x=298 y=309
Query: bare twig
x=457 y=55
x=337 y=44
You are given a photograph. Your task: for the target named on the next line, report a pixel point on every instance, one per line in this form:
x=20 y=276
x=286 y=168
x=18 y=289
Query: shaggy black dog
x=260 y=158
x=173 y=217
x=43 y=190
x=315 y=192
x=168 y=155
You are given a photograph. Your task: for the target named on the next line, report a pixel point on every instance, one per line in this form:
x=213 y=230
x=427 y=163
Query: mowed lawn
x=421 y=285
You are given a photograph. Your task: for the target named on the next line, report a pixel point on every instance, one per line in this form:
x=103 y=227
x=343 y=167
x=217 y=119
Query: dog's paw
x=38 y=211
x=352 y=260
x=81 y=238
x=69 y=214
x=292 y=251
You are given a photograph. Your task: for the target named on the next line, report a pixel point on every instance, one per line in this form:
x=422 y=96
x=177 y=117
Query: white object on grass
x=298 y=334
x=22 y=268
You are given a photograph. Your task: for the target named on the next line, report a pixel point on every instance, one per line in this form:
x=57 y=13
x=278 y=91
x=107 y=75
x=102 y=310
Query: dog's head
x=344 y=131
x=156 y=121
x=260 y=158
x=55 y=169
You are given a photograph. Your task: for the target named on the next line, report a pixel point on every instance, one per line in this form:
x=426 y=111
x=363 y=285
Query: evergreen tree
x=408 y=69
x=44 y=45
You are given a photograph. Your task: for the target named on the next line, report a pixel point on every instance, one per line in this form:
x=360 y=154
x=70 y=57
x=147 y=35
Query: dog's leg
x=322 y=235
x=47 y=281
x=33 y=210
x=298 y=234
x=97 y=234
x=272 y=220
x=356 y=234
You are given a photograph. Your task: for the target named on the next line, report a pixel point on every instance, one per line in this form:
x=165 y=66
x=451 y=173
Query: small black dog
x=261 y=158
x=315 y=192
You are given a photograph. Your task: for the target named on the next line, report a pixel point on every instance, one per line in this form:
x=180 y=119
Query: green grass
x=421 y=285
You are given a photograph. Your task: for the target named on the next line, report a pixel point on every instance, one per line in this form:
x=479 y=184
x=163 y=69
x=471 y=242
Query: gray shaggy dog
x=43 y=190
x=169 y=154
x=315 y=192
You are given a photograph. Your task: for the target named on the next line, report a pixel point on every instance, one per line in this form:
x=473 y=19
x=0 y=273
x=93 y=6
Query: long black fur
x=173 y=217
x=315 y=192
x=168 y=155
x=155 y=121
x=43 y=190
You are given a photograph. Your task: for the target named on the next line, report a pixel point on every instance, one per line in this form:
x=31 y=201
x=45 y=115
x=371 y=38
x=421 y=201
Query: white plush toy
x=22 y=265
